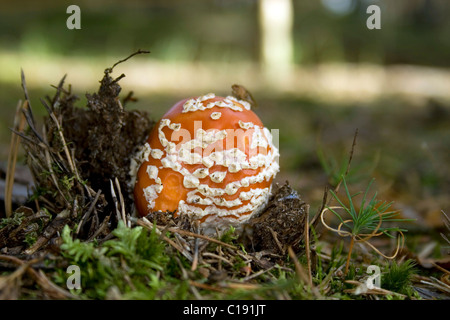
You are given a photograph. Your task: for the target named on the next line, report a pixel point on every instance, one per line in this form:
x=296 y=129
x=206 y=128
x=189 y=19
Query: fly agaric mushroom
x=209 y=157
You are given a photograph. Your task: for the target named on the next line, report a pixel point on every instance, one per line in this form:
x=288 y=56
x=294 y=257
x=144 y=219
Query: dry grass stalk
x=119 y=202
x=51 y=290
x=307 y=248
x=218 y=257
x=10 y=284
x=88 y=212
x=19 y=124
x=148 y=225
x=437 y=284
x=301 y=274
x=206 y=286
x=217 y=264
x=48 y=156
x=362 y=289
x=325 y=200
x=183 y=232
x=122 y=202
x=60 y=190
x=52 y=228
x=196 y=255
x=447 y=225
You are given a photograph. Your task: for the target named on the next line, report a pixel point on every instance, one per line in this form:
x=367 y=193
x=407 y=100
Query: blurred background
x=316 y=70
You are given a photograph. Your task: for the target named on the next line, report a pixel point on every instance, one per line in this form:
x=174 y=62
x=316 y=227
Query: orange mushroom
x=209 y=157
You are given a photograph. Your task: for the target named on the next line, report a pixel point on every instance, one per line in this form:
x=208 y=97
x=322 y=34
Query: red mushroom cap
x=209 y=157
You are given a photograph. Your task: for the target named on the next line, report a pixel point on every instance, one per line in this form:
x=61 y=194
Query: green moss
x=134 y=264
x=229 y=236
x=31 y=238
x=13 y=221
x=397 y=277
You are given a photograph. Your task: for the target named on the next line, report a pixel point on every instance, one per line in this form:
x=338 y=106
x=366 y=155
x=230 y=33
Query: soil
x=280 y=225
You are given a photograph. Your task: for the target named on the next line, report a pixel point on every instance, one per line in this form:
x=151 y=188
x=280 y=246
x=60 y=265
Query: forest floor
x=80 y=212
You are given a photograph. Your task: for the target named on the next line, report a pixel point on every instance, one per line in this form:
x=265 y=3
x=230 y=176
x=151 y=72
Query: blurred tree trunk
x=276 y=21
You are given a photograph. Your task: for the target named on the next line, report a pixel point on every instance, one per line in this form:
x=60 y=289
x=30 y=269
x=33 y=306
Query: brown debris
x=105 y=135
x=14 y=235
x=11 y=285
x=72 y=159
x=266 y=238
x=280 y=225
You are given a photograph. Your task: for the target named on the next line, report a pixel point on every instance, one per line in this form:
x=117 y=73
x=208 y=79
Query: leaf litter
x=81 y=212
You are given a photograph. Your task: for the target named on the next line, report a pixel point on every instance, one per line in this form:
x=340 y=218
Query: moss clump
x=398 y=277
x=131 y=266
